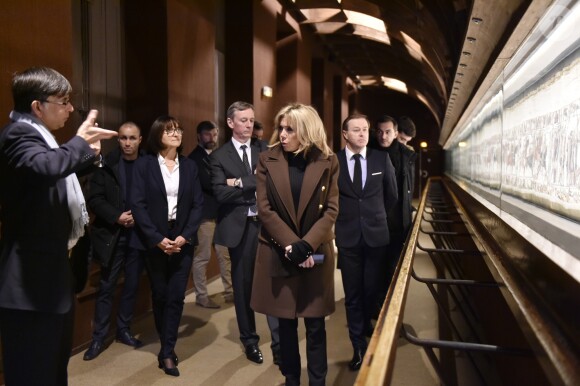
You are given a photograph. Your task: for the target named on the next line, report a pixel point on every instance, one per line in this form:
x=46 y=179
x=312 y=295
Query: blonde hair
x=308 y=126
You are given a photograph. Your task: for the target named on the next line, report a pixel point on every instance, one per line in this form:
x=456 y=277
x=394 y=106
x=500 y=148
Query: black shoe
x=356 y=360
x=169 y=367
x=125 y=337
x=277 y=357
x=254 y=354
x=94 y=350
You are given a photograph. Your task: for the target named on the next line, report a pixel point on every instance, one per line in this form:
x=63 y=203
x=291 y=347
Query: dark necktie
x=253 y=207
x=245 y=159
x=357 y=175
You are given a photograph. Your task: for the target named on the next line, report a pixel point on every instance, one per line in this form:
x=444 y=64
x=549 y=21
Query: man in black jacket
x=110 y=235
x=391 y=137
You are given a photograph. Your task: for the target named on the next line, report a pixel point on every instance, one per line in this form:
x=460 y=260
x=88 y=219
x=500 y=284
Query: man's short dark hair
x=205 y=126
x=407 y=126
x=354 y=116
x=37 y=84
x=238 y=106
x=386 y=118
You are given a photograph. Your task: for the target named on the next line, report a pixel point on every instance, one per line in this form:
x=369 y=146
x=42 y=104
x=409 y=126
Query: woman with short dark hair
x=167 y=207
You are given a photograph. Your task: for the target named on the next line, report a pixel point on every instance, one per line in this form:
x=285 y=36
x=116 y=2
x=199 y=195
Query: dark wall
x=146 y=61
x=239 y=59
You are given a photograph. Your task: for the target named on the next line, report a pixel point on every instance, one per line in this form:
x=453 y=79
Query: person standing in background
x=111 y=232
x=368 y=190
x=298 y=204
x=400 y=217
x=43 y=215
x=207 y=138
x=234 y=186
x=166 y=202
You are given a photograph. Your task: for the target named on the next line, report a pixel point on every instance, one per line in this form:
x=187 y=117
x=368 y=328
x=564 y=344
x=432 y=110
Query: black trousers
x=168 y=276
x=389 y=264
x=36 y=347
x=243 y=258
x=130 y=261
x=361 y=277
x=315 y=351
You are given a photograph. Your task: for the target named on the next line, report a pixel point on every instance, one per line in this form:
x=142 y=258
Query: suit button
x=320 y=206
x=323 y=188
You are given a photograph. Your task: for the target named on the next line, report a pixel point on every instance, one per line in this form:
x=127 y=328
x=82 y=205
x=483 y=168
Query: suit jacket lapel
x=236 y=160
x=278 y=171
x=344 y=173
x=182 y=182
x=157 y=177
x=255 y=156
x=312 y=176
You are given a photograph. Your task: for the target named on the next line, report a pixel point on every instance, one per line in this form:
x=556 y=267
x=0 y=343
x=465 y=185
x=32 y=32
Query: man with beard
x=207 y=136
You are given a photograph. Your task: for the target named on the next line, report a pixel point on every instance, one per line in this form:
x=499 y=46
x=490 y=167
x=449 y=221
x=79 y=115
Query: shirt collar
x=161 y=160
x=237 y=144
x=349 y=153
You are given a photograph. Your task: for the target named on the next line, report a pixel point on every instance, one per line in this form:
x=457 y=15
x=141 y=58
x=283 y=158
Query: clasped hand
x=308 y=263
x=171 y=246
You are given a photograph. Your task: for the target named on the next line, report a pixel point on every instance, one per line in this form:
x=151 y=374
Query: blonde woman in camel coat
x=297 y=197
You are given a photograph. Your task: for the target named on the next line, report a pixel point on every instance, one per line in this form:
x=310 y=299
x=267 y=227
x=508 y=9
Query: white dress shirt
x=238 y=146
x=171 y=181
x=363 y=164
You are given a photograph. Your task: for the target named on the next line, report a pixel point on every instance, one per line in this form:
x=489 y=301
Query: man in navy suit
x=234 y=185
x=367 y=190
x=43 y=214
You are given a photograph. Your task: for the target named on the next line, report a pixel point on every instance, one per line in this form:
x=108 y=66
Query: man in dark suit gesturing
x=234 y=186
x=368 y=189
x=43 y=215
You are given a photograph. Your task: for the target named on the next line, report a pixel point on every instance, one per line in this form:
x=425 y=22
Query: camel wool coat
x=281 y=288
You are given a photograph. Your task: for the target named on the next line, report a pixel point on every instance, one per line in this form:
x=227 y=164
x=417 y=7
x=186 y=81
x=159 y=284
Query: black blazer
x=107 y=192
x=233 y=202
x=210 y=205
x=35 y=271
x=149 y=202
x=403 y=159
x=365 y=215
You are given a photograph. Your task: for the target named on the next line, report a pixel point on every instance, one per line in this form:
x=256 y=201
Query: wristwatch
x=237 y=182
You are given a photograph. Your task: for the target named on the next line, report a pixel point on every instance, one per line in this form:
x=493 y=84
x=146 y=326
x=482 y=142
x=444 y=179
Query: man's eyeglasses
x=174 y=131
x=62 y=103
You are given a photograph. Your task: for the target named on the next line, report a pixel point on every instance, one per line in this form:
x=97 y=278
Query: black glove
x=301 y=251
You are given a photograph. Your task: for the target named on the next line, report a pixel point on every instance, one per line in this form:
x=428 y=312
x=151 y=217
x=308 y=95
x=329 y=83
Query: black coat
x=107 y=201
x=403 y=159
x=149 y=203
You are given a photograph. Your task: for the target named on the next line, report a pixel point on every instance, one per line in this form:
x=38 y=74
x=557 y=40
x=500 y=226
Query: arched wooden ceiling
x=435 y=51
